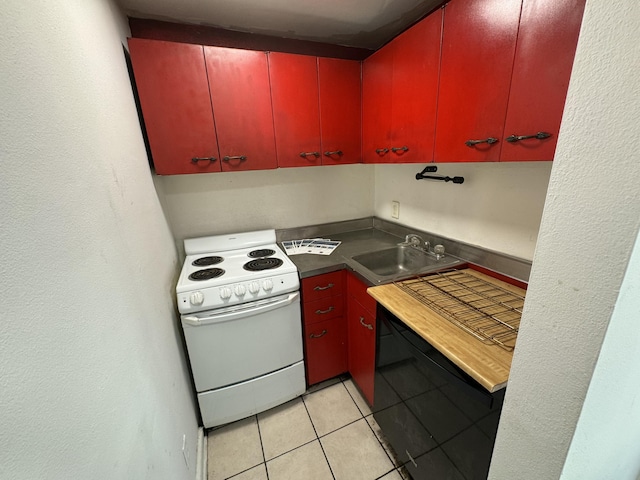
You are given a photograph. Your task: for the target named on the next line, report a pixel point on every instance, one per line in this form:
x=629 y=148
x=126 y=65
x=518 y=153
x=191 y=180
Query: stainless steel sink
x=401 y=261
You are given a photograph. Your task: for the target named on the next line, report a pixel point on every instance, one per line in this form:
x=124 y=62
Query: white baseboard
x=201 y=456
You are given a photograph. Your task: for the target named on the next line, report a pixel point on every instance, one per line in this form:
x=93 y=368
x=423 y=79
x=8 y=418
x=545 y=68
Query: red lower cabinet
x=361 y=333
x=325 y=329
x=326 y=348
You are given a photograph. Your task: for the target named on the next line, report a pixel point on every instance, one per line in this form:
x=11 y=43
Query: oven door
x=238 y=343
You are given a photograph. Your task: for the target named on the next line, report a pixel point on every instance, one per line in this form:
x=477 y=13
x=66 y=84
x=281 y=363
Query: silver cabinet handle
x=337 y=152
x=331 y=285
x=309 y=154
x=322 y=312
x=228 y=158
x=204 y=159
x=517 y=138
x=368 y=325
x=400 y=149
x=490 y=141
x=313 y=335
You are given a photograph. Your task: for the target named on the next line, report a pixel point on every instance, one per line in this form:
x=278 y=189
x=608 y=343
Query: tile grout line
x=262 y=447
x=393 y=464
x=353 y=399
x=318 y=438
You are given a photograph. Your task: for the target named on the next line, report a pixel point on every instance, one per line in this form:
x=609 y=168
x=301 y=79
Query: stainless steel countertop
x=371 y=234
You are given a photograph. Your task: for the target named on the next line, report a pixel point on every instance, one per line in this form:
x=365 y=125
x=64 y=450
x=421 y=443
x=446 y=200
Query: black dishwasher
x=439 y=421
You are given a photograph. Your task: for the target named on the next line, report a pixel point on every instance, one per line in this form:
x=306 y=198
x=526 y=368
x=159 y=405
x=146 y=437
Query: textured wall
x=93 y=383
x=605 y=444
x=498 y=206
x=589 y=226
x=213 y=203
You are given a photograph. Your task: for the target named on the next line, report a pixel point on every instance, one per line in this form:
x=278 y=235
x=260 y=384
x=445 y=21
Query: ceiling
x=356 y=23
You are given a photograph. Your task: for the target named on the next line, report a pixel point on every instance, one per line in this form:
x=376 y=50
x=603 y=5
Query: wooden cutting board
x=488 y=364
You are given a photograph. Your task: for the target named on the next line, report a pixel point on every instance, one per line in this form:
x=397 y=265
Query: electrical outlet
x=395 y=209
x=185 y=450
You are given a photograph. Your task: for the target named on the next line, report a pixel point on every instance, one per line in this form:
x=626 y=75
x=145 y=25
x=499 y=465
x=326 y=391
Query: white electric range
x=240 y=303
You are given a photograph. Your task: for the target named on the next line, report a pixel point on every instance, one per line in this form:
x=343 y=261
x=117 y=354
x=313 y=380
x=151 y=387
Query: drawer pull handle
x=517 y=138
x=381 y=150
x=309 y=154
x=207 y=159
x=322 y=312
x=399 y=149
x=411 y=458
x=490 y=141
x=242 y=158
x=368 y=325
x=337 y=152
x=313 y=335
x=317 y=288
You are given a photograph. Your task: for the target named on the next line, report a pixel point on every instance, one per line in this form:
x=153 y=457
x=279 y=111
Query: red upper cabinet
x=416 y=72
x=400 y=93
x=340 y=109
x=544 y=57
x=376 y=106
x=241 y=99
x=174 y=96
x=478 y=48
x=296 y=115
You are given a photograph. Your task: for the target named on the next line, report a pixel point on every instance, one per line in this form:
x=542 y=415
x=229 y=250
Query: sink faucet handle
x=413 y=239
x=426 y=245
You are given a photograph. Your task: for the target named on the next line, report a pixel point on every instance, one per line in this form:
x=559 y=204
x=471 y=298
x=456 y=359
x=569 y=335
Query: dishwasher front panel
x=440 y=422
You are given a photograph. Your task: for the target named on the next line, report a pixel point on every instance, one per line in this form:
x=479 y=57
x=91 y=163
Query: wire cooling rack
x=485 y=310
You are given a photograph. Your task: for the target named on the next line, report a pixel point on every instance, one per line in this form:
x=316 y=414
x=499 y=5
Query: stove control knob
x=267 y=285
x=225 y=293
x=240 y=290
x=196 y=298
x=254 y=287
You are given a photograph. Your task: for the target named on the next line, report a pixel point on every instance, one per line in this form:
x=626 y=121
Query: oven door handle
x=247 y=311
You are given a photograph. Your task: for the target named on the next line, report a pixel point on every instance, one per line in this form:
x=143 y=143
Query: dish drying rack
x=485 y=310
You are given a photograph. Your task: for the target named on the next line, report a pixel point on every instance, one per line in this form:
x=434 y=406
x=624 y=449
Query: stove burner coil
x=206 y=274
x=262 y=264
x=264 y=252
x=206 y=261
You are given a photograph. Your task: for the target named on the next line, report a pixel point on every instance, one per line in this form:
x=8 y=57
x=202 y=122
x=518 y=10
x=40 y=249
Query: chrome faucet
x=413 y=239
x=416 y=241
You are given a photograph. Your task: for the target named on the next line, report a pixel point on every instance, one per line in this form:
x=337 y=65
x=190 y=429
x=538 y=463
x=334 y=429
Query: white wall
x=498 y=206
x=213 y=203
x=93 y=382
x=589 y=226
x=605 y=444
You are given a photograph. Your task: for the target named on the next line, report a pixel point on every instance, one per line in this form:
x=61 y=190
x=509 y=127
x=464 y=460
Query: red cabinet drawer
x=358 y=290
x=326 y=349
x=322 y=286
x=323 y=309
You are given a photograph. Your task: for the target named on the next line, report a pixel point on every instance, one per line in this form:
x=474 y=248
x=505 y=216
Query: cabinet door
x=326 y=349
x=340 y=109
x=361 y=334
x=547 y=42
x=478 y=47
x=376 y=106
x=296 y=115
x=415 y=68
x=241 y=99
x=171 y=79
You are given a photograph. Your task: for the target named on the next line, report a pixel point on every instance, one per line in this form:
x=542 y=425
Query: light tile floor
x=327 y=434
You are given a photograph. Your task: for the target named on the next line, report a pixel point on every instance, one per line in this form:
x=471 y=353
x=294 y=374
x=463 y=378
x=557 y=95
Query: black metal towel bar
x=433 y=168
